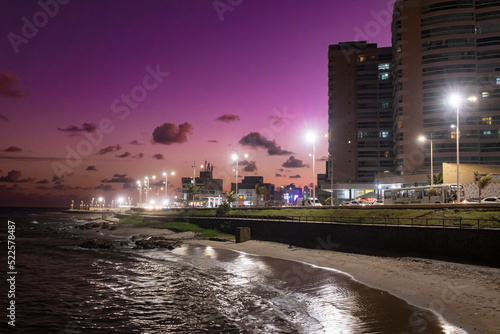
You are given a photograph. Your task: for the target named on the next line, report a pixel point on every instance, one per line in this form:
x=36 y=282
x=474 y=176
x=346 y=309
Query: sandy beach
x=467 y=296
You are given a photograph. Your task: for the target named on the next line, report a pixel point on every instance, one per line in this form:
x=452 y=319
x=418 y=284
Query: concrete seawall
x=474 y=246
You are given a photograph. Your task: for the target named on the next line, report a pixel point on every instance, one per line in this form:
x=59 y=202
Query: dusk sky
x=95 y=95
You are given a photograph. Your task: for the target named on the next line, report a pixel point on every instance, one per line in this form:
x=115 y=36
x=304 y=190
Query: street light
x=456 y=100
x=422 y=139
x=146 y=183
x=236 y=158
x=166 y=183
x=140 y=192
x=311 y=137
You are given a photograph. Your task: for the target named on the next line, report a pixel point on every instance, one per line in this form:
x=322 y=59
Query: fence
x=432 y=222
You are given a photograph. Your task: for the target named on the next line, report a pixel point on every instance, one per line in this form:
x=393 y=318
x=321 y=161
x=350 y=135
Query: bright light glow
x=120 y=200
x=246 y=155
x=311 y=137
x=421 y=138
x=453 y=126
x=138 y=182
x=234 y=156
x=165 y=202
x=454 y=100
x=100 y=199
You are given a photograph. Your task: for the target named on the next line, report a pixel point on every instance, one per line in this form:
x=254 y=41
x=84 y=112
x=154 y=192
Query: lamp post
x=311 y=137
x=140 y=192
x=456 y=100
x=235 y=158
x=422 y=139
x=166 y=183
x=146 y=183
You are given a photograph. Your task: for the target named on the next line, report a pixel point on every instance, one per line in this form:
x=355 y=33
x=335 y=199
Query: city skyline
x=95 y=96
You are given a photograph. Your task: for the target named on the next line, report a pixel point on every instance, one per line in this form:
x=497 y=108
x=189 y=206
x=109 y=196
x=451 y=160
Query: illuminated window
x=384 y=105
x=486 y=120
x=361 y=59
x=498 y=81
x=453 y=134
x=384 y=134
x=383 y=76
x=485 y=94
x=385 y=66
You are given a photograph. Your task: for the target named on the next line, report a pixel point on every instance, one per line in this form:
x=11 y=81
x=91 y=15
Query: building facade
x=360 y=118
x=442 y=48
x=247 y=193
x=360 y=111
x=210 y=190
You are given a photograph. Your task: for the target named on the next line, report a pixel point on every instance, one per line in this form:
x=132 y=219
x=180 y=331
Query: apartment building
x=442 y=48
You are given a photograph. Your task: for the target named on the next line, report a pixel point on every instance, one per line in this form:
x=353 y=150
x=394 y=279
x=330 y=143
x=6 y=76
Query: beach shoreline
x=464 y=295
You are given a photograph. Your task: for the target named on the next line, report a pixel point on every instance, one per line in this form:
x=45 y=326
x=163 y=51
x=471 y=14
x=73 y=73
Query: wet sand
x=466 y=296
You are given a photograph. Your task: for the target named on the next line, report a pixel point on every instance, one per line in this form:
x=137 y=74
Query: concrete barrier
x=242 y=234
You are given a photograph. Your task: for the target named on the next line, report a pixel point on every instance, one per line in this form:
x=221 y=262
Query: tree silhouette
x=483 y=183
x=260 y=191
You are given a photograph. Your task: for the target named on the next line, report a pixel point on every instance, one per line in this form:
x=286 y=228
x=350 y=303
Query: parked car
x=356 y=202
x=491 y=200
x=378 y=202
x=308 y=201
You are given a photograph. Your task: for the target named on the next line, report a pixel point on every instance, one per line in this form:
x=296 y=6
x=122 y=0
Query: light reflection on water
x=197 y=289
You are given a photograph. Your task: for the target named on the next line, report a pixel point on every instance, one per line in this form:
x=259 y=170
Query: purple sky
x=157 y=85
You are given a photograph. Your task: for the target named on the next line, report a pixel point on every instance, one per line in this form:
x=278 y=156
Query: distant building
x=247 y=194
x=289 y=194
x=360 y=117
x=210 y=190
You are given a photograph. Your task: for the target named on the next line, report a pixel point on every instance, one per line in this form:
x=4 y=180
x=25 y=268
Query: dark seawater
x=62 y=288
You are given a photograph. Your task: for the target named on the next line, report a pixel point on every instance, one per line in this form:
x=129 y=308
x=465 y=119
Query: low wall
x=475 y=246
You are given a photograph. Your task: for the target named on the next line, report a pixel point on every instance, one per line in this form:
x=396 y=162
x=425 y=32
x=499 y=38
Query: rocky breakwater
x=112 y=235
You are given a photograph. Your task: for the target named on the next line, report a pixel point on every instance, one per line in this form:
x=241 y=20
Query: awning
x=371 y=194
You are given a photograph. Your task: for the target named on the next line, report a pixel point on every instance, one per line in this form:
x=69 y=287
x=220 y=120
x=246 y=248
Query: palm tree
x=431 y=192
x=231 y=197
x=260 y=191
x=191 y=191
x=438 y=179
x=483 y=183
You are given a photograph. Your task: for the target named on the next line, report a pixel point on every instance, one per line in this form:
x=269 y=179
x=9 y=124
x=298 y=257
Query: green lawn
x=137 y=220
x=452 y=217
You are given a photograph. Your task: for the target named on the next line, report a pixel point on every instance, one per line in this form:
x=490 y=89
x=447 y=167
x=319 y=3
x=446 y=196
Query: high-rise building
x=360 y=113
x=442 y=48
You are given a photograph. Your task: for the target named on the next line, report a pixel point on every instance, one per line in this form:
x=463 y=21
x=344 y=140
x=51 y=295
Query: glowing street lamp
x=311 y=137
x=422 y=139
x=140 y=192
x=146 y=183
x=166 y=183
x=236 y=158
x=456 y=100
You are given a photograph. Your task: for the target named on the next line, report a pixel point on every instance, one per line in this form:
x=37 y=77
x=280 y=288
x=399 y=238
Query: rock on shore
x=157 y=242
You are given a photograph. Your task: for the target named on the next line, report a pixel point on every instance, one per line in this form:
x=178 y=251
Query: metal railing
x=432 y=222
